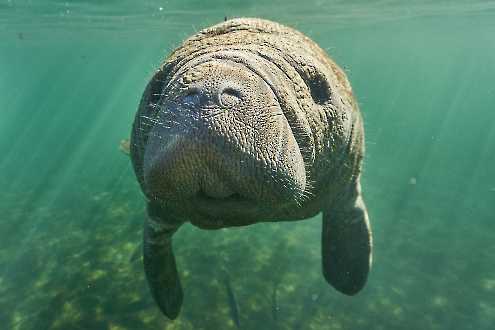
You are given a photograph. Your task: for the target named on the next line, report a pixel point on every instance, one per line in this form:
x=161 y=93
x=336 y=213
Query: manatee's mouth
x=233 y=197
x=208 y=202
x=233 y=209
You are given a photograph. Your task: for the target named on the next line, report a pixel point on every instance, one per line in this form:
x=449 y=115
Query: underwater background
x=71 y=212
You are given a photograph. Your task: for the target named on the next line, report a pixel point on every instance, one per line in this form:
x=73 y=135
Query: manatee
x=250 y=121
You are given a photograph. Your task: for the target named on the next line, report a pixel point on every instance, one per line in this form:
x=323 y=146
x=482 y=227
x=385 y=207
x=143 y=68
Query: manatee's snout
x=179 y=167
x=220 y=133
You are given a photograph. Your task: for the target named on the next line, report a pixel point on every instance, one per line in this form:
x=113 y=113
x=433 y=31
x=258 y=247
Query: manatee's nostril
x=231 y=91
x=229 y=97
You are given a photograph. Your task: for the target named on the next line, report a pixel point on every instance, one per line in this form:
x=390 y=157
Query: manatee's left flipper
x=125 y=146
x=347 y=243
x=159 y=262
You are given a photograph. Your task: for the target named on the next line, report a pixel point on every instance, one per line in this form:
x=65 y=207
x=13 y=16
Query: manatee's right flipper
x=159 y=262
x=347 y=243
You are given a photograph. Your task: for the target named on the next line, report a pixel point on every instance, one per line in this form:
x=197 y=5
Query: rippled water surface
x=71 y=213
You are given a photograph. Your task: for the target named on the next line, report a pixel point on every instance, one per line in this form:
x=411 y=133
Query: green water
x=71 y=75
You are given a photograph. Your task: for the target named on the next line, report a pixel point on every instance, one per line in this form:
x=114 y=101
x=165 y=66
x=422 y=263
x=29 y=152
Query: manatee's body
x=250 y=121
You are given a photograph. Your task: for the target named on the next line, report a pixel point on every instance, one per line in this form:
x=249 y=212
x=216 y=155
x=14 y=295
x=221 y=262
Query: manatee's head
x=219 y=146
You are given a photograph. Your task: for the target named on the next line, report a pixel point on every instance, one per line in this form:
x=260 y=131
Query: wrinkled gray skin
x=250 y=121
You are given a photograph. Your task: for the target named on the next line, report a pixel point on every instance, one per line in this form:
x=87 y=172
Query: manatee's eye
x=192 y=96
x=318 y=86
x=229 y=97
